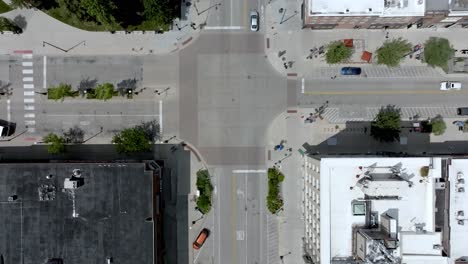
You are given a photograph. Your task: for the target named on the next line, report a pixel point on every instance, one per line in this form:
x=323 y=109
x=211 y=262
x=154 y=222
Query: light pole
x=163 y=91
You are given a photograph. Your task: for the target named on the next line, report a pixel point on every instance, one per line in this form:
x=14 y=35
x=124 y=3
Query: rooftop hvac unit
x=72 y=183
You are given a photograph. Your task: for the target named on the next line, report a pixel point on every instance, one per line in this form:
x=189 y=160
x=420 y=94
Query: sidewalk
x=284 y=33
x=48 y=36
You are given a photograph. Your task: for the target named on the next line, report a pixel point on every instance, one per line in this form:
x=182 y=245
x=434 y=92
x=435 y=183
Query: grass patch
x=63 y=15
x=205 y=188
x=274 y=201
x=4 y=7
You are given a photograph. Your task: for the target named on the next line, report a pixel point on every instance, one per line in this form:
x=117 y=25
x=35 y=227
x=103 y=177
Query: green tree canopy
x=337 y=52
x=393 y=51
x=437 y=52
x=438 y=125
x=104 y=91
x=274 y=201
x=101 y=10
x=132 y=140
x=56 y=144
x=205 y=188
x=60 y=91
x=387 y=124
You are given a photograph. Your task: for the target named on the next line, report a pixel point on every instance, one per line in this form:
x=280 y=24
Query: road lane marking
x=29 y=107
x=27 y=64
x=225 y=28
x=248 y=171
x=28 y=79
x=28 y=93
x=29 y=115
x=160 y=118
x=28 y=71
x=28 y=86
x=382 y=92
x=27 y=56
x=44 y=80
x=98 y=115
x=28 y=100
x=233 y=218
x=303 y=85
x=246 y=229
x=8 y=110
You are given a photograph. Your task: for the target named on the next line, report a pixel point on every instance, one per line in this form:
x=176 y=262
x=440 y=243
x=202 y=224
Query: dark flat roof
x=112 y=207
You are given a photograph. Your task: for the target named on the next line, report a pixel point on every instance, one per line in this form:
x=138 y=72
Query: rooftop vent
x=347 y=10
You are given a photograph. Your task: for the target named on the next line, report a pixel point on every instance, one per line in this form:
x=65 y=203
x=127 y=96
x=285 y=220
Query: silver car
x=254 y=20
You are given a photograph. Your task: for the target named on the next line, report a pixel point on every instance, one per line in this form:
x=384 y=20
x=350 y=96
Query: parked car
x=446 y=86
x=201 y=238
x=254 y=20
x=462 y=111
x=351 y=71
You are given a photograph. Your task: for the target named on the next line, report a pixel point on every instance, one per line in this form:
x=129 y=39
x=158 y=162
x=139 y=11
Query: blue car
x=350 y=71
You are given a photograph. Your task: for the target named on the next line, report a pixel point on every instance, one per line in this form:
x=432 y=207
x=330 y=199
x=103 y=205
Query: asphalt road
x=232 y=14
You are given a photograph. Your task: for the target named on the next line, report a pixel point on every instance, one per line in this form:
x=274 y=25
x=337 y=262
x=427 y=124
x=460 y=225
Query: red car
x=198 y=243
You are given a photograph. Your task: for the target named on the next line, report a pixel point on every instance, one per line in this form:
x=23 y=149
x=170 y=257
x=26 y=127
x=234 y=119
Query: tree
x=131 y=140
x=437 y=52
x=393 y=51
x=438 y=125
x=386 y=125
x=104 y=91
x=60 y=91
x=205 y=188
x=8 y=25
x=25 y=3
x=158 y=13
x=337 y=52
x=56 y=144
x=274 y=202
x=74 y=135
x=101 y=10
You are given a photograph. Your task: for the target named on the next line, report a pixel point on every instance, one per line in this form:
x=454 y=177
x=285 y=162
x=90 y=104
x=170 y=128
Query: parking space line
x=160 y=118
x=44 y=79
x=248 y=171
x=29 y=107
x=8 y=110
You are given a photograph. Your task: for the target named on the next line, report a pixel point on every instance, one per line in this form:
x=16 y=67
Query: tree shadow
x=87 y=84
x=125 y=85
x=74 y=135
x=20 y=21
x=151 y=129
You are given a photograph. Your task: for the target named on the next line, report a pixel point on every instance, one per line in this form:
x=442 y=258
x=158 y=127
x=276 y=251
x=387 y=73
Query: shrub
x=132 y=140
x=424 y=171
x=56 y=144
x=205 y=188
x=60 y=92
x=386 y=125
x=274 y=202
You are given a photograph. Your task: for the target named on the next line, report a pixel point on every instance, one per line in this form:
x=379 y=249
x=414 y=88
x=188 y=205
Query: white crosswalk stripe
x=28 y=91
x=27 y=64
x=28 y=79
x=27 y=56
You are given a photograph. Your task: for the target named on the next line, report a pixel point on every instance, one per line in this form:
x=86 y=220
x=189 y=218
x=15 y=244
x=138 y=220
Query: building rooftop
x=458 y=177
x=384 y=8
x=410 y=198
x=458 y=5
x=105 y=217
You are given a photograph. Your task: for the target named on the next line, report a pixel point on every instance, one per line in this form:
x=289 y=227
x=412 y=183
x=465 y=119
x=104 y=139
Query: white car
x=254 y=20
x=446 y=86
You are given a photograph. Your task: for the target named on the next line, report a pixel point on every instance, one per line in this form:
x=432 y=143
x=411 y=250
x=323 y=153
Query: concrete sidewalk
x=284 y=33
x=48 y=36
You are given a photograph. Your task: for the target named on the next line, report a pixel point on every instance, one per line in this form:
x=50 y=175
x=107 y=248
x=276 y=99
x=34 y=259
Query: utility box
x=73 y=183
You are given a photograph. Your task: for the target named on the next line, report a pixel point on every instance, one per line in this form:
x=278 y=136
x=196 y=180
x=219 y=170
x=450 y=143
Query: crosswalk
x=28 y=89
x=376 y=71
x=338 y=116
x=272 y=239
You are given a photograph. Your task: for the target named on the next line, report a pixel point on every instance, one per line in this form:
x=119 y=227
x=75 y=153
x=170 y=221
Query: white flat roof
x=413 y=243
x=458 y=202
x=337 y=175
x=367 y=8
